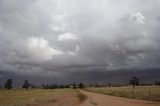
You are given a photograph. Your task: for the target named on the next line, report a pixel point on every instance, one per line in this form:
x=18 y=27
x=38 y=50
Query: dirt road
x=68 y=99
x=95 y=99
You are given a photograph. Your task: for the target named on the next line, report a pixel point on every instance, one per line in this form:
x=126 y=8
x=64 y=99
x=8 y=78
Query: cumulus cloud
x=63 y=38
x=138 y=18
x=41 y=49
x=66 y=37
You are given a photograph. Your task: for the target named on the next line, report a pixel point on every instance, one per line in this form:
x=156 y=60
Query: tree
x=74 y=86
x=33 y=86
x=8 y=84
x=26 y=84
x=134 y=81
x=81 y=85
x=109 y=84
x=156 y=82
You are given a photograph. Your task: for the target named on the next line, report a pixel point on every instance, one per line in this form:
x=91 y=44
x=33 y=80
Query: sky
x=65 y=41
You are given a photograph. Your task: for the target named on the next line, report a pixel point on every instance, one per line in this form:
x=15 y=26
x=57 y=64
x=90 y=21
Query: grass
x=81 y=96
x=151 y=93
x=22 y=97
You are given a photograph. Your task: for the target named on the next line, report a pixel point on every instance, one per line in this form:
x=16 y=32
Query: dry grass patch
x=151 y=93
x=22 y=97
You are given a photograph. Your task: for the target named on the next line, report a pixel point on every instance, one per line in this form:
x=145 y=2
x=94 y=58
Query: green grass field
x=22 y=97
x=151 y=93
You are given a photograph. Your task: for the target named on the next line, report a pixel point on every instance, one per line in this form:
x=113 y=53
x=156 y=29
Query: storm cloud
x=65 y=38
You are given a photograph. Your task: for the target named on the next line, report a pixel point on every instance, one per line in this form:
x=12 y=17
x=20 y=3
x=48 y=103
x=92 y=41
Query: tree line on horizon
x=134 y=81
x=27 y=85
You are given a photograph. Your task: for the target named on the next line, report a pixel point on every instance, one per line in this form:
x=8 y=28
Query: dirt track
x=95 y=99
x=68 y=99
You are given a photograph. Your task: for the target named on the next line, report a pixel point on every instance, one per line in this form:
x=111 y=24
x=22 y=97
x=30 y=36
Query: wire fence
x=144 y=93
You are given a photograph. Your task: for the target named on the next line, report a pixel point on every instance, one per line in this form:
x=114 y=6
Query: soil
x=68 y=99
x=96 y=99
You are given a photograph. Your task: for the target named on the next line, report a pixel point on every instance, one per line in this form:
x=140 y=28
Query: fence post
x=149 y=93
x=132 y=93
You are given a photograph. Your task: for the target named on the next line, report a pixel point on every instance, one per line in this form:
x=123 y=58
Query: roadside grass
x=81 y=96
x=151 y=93
x=23 y=97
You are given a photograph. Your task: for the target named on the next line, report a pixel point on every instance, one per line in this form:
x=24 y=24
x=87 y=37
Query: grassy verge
x=22 y=97
x=81 y=96
x=151 y=93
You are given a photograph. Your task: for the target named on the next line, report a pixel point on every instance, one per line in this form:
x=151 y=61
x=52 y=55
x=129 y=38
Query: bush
x=26 y=84
x=81 y=85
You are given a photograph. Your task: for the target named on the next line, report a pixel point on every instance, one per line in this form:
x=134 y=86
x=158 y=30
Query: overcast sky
x=84 y=40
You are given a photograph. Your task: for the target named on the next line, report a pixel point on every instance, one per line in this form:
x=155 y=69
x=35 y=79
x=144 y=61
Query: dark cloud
x=58 y=38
